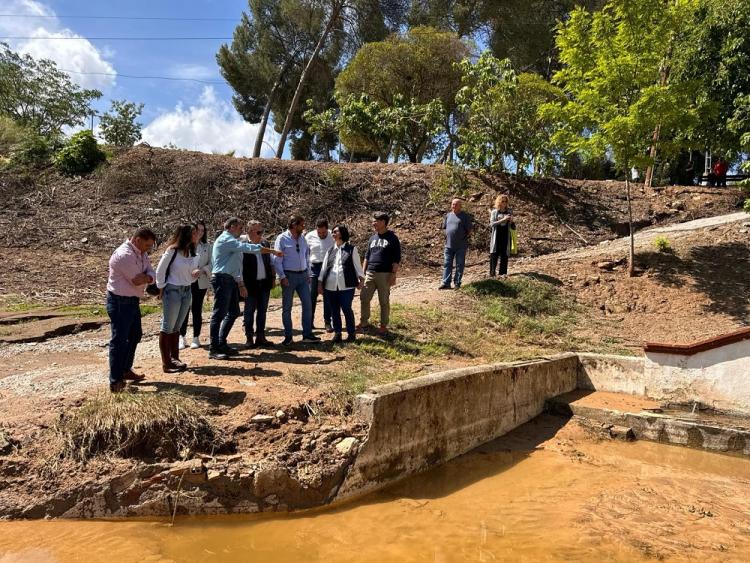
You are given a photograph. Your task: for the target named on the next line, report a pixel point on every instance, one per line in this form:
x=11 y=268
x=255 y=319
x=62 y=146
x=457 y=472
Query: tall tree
x=406 y=74
x=269 y=46
x=36 y=94
x=610 y=68
x=119 y=126
x=713 y=54
x=502 y=116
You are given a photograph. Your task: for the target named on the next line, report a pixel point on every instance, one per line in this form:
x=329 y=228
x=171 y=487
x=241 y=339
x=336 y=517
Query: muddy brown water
x=548 y=494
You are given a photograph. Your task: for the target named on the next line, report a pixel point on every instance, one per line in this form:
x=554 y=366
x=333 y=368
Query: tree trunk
x=648 y=179
x=267 y=110
x=631 y=253
x=335 y=10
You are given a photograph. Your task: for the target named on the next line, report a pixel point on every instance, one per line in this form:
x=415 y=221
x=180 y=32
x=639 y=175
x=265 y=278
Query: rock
x=743 y=231
x=261 y=419
x=281 y=415
x=476 y=196
x=677 y=204
x=191 y=466
x=606 y=265
x=346 y=445
x=621 y=433
x=84 y=240
x=213 y=474
x=591 y=280
x=746 y=224
x=6 y=444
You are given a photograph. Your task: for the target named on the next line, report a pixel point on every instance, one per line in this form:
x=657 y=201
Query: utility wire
x=116 y=74
x=116 y=18
x=118 y=38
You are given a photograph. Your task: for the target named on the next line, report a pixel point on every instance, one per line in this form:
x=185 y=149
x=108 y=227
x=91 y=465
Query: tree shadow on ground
x=666 y=267
x=229 y=371
x=718 y=271
x=211 y=394
x=289 y=356
x=538 y=276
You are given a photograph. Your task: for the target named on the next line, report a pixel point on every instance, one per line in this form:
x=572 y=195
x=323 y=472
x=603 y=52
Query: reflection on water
x=568 y=499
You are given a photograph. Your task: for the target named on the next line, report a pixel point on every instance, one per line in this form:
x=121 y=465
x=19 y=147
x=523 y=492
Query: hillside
x=75 y=223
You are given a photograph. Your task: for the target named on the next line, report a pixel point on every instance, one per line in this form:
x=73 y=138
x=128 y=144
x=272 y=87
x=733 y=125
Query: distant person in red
x=718 y=176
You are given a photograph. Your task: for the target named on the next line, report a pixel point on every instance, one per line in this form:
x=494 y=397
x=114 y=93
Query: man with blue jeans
x=228 y=285
x=294 y=276
x=457 y=227
x=130 y=271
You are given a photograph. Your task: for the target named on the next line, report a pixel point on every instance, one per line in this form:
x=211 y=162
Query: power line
x=117 y=38
x=143 y=77
x=116 y=18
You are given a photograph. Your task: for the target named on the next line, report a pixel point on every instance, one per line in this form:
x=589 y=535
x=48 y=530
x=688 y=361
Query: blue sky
x=189 y=114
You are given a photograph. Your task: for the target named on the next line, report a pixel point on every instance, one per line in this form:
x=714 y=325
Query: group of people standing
x=241 y=266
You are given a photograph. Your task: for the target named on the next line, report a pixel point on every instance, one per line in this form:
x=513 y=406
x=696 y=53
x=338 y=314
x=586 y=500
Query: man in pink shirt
x=130 y=272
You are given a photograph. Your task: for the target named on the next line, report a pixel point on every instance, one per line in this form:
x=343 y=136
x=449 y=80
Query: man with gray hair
x=457 y=227
x=228 y=285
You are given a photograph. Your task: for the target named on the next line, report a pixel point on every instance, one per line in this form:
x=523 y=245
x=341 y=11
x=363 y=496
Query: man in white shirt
x=319 y=241
x=258 y=275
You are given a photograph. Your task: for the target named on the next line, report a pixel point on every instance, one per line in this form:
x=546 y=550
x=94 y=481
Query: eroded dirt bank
x=547 y=491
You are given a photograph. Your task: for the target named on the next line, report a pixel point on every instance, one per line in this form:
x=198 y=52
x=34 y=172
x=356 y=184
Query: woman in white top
x=340 y=274
x=199 y=287
x=177 y=270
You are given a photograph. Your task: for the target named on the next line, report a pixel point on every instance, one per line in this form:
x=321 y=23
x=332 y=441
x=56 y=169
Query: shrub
x=80 y=155
x=32 y=150
x=662 y=244
x=162 y=424
x=746 y=206
x=452 y=181
x=10 y=135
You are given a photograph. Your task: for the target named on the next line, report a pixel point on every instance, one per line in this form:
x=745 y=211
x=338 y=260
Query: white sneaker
x=196 y=343
x=181 y=343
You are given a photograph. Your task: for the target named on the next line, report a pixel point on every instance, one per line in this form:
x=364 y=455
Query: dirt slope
x=56 y=233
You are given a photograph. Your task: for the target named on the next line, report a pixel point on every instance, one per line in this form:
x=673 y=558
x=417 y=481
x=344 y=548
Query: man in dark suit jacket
x=258 y=275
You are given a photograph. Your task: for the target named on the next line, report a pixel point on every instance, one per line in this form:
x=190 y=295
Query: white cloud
x=212 y=125
x=75 y=55
x=198 y=72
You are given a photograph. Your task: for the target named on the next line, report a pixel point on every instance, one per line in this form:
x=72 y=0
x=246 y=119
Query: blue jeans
x=459 y=254
x=175 y=301
x=341 y=301
x=314 y=274
x=125 y=316
x=226 y=308
x=297 y=282
x=256 y=306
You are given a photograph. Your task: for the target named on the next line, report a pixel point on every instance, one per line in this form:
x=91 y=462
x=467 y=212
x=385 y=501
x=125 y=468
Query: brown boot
x=174 y=348
x=166 y=355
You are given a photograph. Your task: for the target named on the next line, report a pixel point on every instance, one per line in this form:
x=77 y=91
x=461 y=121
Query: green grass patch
x=531 y=306
x=166 y=424
x=84 y=310
x=276 y=292
x=17 y=304
x=148 y=309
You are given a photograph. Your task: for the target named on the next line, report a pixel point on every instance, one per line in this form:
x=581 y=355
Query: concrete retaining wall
x=429 y=420
x=616 y=374
x=719 y=377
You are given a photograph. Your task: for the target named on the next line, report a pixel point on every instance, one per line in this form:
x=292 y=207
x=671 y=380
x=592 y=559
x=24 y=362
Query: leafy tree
x=714 y=55
x=119 y=126
x=610 y=72
x=404 y=75
x=36 y=94
x=502 y=116
x=80 y=155
x=269 y=47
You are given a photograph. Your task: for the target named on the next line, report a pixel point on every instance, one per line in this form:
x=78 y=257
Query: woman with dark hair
x=340 y=273
x=175 y=274
x=199 y=287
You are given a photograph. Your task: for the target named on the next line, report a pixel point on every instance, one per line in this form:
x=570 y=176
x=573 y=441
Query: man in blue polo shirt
x=228 y=285
x=293 y=273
